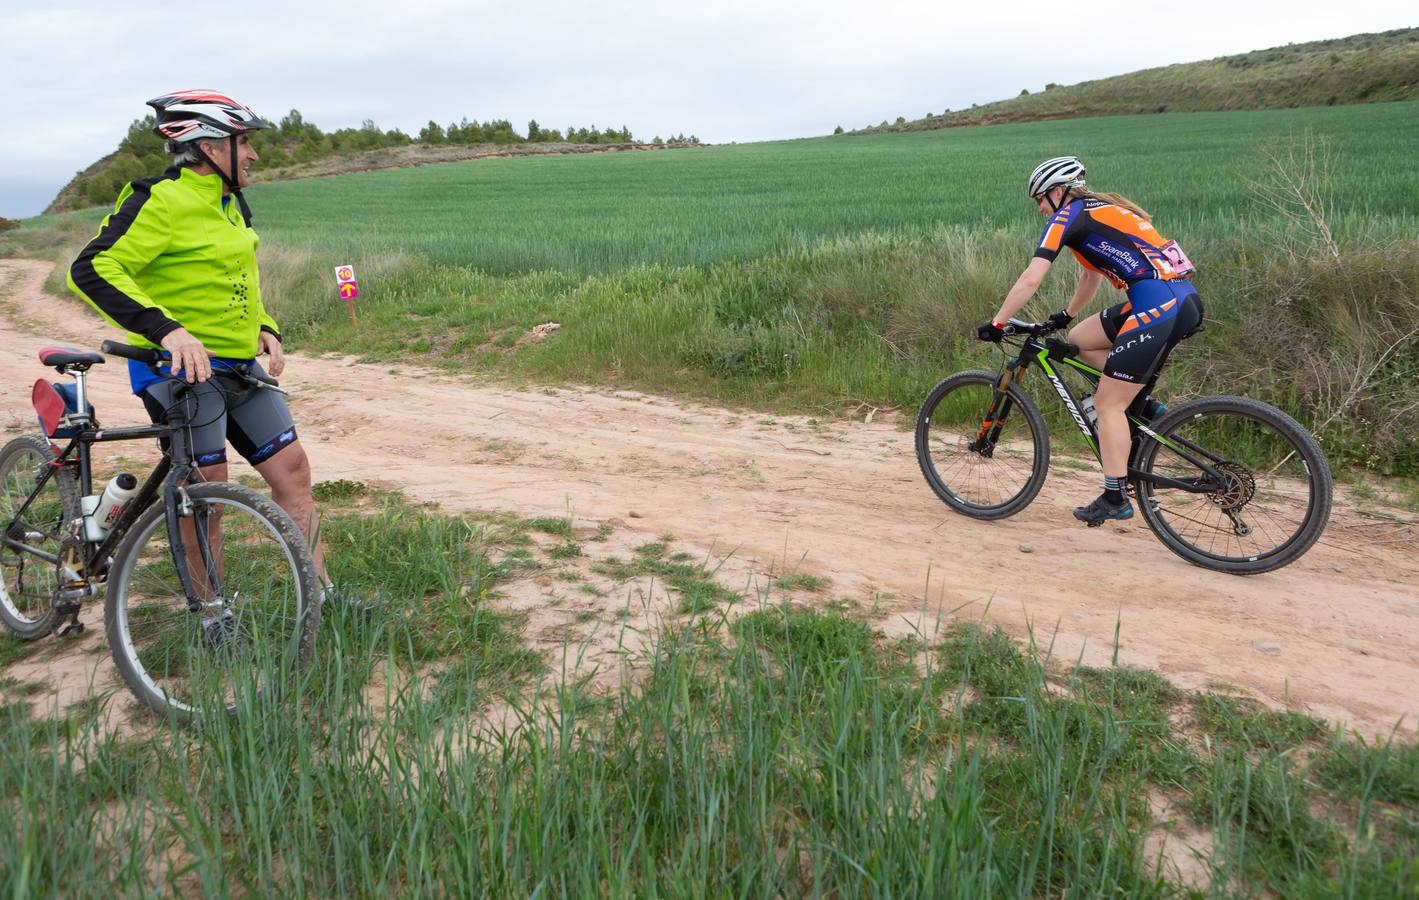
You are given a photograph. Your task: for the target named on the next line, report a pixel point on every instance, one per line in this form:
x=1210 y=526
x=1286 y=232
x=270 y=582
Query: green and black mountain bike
x=1228 y=483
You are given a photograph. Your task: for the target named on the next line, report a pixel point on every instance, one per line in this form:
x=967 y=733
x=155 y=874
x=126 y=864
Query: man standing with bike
x=175 y=266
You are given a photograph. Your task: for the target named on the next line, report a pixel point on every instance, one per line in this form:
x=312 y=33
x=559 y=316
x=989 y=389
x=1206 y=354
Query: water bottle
x=1090 y=414
x=116 y=494
x=1151 y=408
x=101 y=511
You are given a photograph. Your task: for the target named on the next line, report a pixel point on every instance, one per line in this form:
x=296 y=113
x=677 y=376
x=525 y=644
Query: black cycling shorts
x=1147 y=326
x=257 y=422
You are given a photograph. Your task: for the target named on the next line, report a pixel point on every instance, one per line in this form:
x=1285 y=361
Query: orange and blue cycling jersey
x=1115 y=242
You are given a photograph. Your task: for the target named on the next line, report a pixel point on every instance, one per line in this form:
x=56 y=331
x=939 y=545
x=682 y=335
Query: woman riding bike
x=1114 y=239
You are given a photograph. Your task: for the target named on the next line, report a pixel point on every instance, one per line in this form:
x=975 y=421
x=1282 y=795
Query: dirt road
x=1335 y=635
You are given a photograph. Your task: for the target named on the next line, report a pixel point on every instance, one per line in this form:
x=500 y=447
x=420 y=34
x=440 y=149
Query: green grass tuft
x=342 y=489
x=559 y=527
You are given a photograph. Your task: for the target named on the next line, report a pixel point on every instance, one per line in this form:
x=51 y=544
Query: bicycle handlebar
x=128 y=351
x=153 y=358
x=1020 y=326
x=1058 y=347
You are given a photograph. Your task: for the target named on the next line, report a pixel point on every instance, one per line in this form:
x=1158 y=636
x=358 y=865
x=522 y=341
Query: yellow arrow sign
x=349 y=291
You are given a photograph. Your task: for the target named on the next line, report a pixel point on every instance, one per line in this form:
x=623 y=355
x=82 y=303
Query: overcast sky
x=75 y=73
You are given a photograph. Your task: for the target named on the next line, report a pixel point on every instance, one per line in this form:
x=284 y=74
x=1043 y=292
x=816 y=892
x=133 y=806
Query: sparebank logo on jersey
x=1125 y=258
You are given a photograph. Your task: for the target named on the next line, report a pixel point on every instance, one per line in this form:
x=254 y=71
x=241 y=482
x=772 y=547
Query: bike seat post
x=81 y=394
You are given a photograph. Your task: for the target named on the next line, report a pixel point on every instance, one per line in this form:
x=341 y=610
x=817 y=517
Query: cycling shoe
x=1102 y=510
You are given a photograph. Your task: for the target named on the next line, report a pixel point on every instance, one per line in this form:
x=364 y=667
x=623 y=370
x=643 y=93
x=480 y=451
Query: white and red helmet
x=193 y=115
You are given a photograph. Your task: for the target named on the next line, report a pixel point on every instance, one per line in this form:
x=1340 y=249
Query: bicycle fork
x=995 y=416
x=179 y=506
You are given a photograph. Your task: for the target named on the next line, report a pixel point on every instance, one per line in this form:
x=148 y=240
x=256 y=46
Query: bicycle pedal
x=74 y=627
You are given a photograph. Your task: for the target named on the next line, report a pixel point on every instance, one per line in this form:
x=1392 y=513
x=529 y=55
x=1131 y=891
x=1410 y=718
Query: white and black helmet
x=192 y=115
x=1066 y=171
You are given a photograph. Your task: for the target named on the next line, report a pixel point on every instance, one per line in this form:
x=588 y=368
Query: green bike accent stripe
x=1062 y=391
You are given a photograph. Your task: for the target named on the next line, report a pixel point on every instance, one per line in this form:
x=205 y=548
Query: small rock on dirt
x=635 y=515
x=1273 y=649
x=1026 y=548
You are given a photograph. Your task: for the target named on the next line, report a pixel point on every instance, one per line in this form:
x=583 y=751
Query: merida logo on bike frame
x=1069 y=405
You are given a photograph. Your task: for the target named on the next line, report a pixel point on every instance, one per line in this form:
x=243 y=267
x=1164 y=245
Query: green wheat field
x=691 y=207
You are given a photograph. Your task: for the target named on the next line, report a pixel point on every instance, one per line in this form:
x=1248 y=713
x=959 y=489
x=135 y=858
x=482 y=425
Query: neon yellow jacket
x=172 y=255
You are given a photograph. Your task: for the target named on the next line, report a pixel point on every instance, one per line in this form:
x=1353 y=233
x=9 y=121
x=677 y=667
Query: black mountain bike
x=1228 y=483
x=210 y=590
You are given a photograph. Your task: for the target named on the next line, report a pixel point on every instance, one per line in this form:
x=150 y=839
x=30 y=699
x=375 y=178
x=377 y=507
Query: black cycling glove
x=1060 y=320
x=990 y=332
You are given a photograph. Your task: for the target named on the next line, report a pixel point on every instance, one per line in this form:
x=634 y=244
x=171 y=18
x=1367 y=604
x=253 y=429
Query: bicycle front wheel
x=27 y=581
x=258 y=604
x=984 y=453
x=1273 y=498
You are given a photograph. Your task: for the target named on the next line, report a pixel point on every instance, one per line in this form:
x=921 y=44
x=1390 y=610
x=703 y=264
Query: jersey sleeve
x=135 y=234
x=1056 y=230
x=268 y=324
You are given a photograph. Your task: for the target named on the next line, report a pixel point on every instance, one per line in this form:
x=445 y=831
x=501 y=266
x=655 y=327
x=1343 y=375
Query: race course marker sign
x=347 y=288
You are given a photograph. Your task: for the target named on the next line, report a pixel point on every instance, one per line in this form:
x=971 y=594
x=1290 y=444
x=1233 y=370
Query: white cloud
x=733 y=70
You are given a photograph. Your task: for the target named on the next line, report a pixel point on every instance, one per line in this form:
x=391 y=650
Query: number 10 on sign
x=347 y=288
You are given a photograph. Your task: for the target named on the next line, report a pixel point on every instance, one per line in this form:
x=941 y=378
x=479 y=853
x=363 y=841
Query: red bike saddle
x=68 y=356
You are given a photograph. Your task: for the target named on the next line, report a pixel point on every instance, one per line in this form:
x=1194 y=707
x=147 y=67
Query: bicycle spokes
x=238 y=632
x=981 y=450
x=1257 y=499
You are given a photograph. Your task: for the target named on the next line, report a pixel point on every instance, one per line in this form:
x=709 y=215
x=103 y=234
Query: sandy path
x=1336 y=634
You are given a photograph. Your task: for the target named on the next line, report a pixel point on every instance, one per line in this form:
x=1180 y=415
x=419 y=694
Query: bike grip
x=128 y=351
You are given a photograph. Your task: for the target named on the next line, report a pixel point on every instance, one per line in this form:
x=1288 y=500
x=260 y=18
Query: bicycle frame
x=171 y=474
x=1051 y=351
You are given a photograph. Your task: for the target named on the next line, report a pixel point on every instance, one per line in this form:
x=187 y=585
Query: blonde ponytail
x=1115 y=199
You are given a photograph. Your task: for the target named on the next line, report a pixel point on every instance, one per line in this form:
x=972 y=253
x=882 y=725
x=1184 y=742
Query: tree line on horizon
x=293 y=141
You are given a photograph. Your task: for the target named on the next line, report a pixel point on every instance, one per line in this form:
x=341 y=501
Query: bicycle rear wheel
x=27 y=582
x=985 y=455
x=1274 y=498
x=259 y=611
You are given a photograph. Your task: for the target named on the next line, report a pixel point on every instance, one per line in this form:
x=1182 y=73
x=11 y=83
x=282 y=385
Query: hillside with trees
x=294 y=147
x=1362 y=68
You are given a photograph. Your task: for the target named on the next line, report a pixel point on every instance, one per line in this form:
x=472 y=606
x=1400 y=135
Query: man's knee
x=288 y=469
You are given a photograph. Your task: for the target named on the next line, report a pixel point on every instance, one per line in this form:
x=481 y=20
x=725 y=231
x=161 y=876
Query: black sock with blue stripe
x=1113 y=489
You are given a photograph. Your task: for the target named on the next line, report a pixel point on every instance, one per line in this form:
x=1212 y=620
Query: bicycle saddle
x=68 y=356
